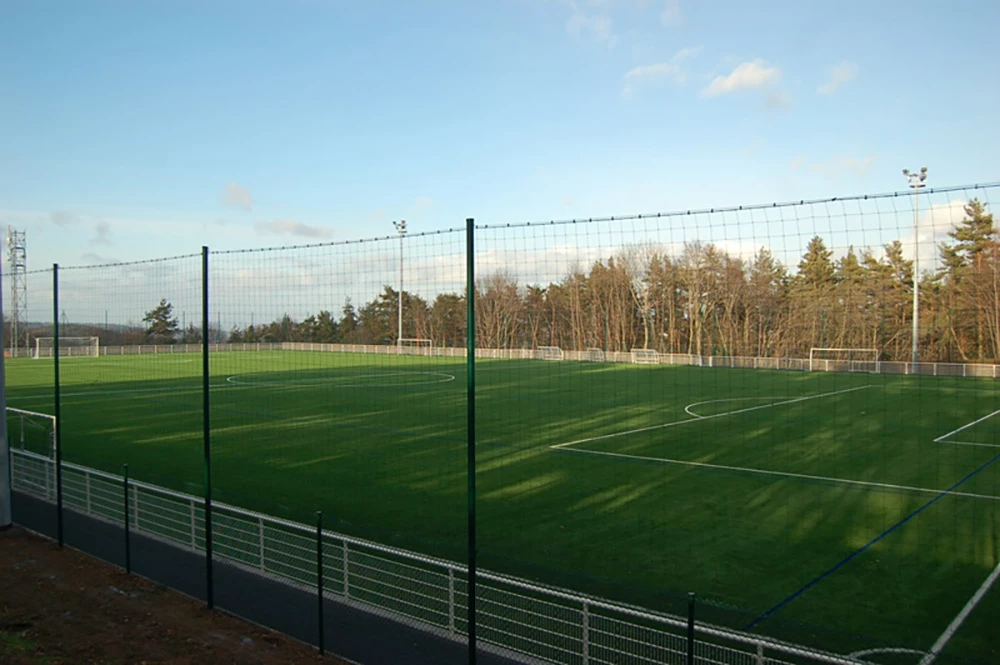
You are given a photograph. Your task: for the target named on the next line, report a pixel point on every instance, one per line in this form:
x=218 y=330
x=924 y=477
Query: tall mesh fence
x=722 y=402
x=654 y=441
x=319 y=403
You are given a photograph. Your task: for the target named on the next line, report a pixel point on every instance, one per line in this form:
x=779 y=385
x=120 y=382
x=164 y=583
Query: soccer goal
x=69 y=347
x=550 y=353
x=31 y=431
x=415 y=346
x=594 y=355
x=645 y=357
x=844 y=360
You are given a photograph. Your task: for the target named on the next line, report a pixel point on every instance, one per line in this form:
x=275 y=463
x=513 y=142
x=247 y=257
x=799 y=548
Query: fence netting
x=730 y=402
x=723 y=402
x=325 y=400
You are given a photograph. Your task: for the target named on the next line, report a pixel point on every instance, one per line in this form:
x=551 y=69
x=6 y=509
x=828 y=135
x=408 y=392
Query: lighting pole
x=916 y=181
x=401 y=228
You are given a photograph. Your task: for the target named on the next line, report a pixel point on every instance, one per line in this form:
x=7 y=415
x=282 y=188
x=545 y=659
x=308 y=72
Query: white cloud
x=422 y=203
x=102 y=231
x=63 y=218
x=747 y=76
x=287 y=227
x=597 y=26
x=857 y=166
x=237 y=196
x=646 y=74
x=777 y=100
x=839 y=75
x=93 y=259
x=934 y=225
x=672 y=15
x=796 y=164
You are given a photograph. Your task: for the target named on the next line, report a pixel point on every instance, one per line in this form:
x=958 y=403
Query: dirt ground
x=64 y=607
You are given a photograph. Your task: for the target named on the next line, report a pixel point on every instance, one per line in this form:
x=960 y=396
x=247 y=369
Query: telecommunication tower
x=17 y=262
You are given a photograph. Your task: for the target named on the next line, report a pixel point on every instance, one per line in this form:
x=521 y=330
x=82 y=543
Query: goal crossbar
x=68 y=347
x=550 y=353
x=840 y=359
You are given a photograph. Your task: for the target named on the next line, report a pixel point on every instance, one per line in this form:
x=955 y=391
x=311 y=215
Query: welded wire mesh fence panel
x=757 y=431
x=130 y=408
x=349 y=409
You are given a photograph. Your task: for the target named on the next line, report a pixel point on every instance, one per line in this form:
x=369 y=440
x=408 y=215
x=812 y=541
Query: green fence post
x=319 y=580
x=207 y=433
x=128 y=544
x=58 y=402
x=690 y=634
x=470 y=363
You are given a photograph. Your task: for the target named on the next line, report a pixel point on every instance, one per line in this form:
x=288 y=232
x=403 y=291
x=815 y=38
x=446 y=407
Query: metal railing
x=520 y=617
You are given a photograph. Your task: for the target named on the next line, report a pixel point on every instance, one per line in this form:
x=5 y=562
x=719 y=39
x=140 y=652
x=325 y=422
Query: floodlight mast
x=916 y=181
x=401 y=229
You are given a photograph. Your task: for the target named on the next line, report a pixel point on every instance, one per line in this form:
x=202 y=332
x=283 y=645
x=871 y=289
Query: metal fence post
x=319 y=581
x=58 y=401
x=470 y=362
x=260 y=523
x=347 y=572
x=690 y=629
x=451 y=600
x=586 y=633
x=207 y=430
x=128 y=543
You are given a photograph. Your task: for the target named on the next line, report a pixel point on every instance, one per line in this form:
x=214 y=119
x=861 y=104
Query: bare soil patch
x=59 y=606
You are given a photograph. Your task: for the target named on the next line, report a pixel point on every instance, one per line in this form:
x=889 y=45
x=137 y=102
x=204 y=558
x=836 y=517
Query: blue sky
x=142 y=129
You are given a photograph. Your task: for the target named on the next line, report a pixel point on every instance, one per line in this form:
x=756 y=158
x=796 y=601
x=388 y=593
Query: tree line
x=701 y=300
x=704 y=300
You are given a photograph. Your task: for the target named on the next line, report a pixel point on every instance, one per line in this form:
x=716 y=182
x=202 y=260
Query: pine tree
x=161 y=324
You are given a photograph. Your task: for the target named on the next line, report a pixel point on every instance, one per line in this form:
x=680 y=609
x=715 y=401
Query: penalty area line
x=781 y=474
x=956 y=623
x=709 y=417
x=941 y=439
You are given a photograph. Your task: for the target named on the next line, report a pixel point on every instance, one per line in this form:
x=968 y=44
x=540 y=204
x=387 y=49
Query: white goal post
x=645 y=357
x=32 y=431
x=415 y=346
x=68 y=347
x=594 y=355
x=844 y=360
x=550 y=353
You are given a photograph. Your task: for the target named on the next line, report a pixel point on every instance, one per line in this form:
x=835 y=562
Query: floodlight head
x=923 y=169
x=906 y=172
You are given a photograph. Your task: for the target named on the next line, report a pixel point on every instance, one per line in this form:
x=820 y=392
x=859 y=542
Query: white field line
x=969 y=443
x=699 y=418
x=956 y=623
x=783 y=474
x=687 y=409
x=941 y=438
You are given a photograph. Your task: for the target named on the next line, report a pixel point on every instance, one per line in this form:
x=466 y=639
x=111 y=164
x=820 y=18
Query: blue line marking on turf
x=864 y=548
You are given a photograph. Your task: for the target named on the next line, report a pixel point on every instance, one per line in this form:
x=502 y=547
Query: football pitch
x=847 y=510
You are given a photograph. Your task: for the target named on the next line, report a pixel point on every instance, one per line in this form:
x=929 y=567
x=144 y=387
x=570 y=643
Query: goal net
x=415 y=346
x=68 y=347
x=31 y=431
x=550 y=353
x=645 y=357
x=843 y=360
x=594 y=355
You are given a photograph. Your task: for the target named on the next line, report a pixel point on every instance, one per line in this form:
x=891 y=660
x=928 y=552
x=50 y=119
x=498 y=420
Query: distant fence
x=537 y=622
x=970 y=370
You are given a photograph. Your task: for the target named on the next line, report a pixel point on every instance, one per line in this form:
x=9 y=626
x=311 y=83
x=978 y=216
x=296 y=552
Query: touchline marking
x=714 y=415
x=783 y=474
x=964 y=427
x=956 y=623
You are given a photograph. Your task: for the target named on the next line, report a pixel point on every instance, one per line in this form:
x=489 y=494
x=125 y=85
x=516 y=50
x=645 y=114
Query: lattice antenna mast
x=17 y=259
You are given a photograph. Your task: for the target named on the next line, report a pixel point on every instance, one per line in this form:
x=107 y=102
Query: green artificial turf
x=812 y=506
